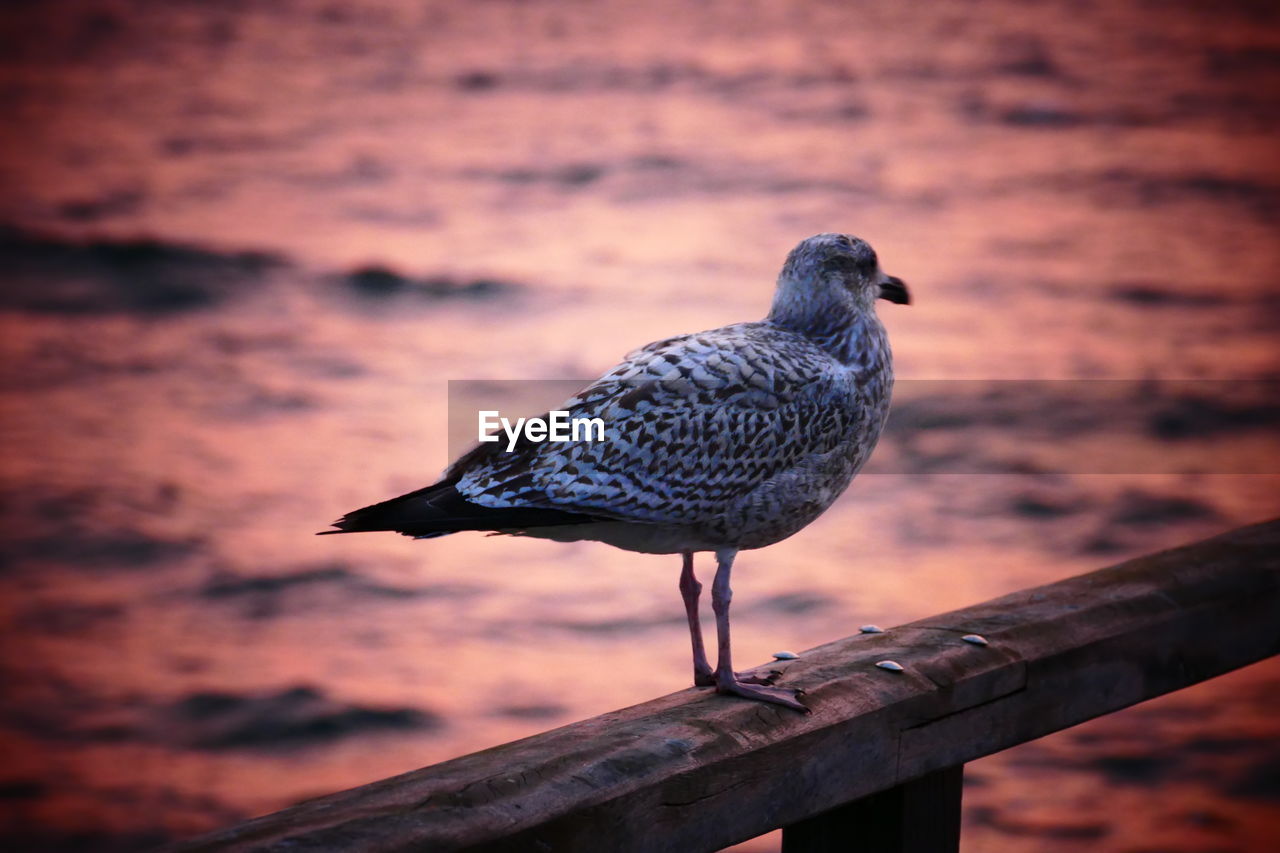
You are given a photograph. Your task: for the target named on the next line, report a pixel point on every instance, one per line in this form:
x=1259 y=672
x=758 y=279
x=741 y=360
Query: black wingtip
x=342 y=525
x=440 y=510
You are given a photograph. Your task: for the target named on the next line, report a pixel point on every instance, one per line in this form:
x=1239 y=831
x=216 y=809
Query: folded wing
x=692 y=424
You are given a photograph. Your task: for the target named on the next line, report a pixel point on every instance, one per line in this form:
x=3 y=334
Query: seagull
x=722 y=441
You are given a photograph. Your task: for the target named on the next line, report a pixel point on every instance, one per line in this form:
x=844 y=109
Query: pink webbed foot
x=708 y=678
x=785 y=696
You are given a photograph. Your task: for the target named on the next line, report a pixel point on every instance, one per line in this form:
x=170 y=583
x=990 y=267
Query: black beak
x=895 y=291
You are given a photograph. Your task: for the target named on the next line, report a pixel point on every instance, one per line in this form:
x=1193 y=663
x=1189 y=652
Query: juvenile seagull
x=720 y=441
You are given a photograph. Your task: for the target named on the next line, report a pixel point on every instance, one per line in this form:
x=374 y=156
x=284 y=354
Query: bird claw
x=708 y=679
x=787 y=697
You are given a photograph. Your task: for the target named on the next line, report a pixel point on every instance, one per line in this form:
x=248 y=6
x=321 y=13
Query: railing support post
x=920 y=816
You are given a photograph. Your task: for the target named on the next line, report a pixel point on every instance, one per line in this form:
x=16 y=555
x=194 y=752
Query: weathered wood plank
x=919 y=816
x=694 y=771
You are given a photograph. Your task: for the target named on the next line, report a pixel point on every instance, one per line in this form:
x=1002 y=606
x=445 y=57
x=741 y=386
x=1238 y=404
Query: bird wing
x=692 y=424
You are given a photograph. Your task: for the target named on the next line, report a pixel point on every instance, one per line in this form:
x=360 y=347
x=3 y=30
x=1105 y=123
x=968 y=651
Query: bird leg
x=726 y=680
x=703 y=674
x=690 y=589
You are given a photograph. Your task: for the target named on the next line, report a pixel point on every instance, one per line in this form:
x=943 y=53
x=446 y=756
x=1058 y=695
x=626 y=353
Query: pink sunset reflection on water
x=196 y=377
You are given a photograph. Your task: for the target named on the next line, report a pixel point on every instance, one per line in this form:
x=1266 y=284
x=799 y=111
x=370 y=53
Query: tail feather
x=441 y=509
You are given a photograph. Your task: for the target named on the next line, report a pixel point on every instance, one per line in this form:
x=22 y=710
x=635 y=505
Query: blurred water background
x=245 y=247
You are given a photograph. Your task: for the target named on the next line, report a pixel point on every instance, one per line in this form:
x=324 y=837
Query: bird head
x=828 y=278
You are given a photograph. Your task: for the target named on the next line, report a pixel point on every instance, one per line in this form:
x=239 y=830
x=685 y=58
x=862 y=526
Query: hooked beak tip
x=895 y=290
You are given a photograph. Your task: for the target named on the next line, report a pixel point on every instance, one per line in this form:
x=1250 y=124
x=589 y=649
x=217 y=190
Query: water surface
x=246 y=247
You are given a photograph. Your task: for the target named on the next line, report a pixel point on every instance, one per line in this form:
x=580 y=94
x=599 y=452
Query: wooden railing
x=878 y=764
